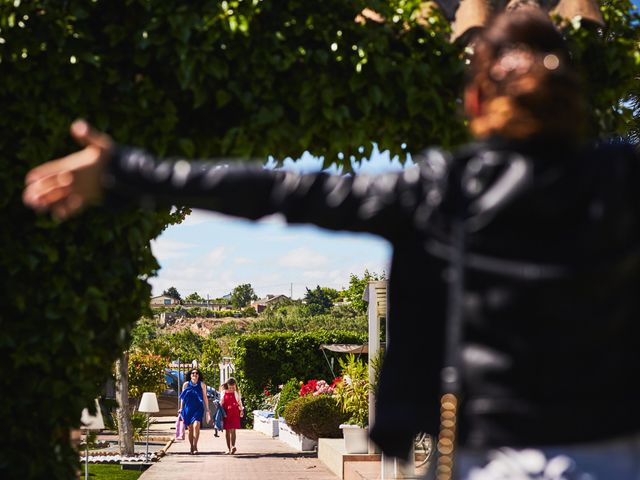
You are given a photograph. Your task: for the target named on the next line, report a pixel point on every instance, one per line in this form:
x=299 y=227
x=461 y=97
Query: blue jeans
x=616 y=459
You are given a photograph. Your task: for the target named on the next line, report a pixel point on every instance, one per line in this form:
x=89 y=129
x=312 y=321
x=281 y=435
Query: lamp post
x=148 y=404
x=90 y=422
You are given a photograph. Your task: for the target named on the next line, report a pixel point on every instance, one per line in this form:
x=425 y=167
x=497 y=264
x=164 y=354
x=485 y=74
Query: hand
x=68 y=185
x=208 y=417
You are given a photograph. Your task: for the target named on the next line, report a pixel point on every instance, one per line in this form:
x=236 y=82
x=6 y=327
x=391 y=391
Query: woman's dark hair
x=522 y=69
x=200 y=377
x=231 y=381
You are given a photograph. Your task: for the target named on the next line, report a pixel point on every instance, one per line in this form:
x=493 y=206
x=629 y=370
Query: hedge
x=271 y=359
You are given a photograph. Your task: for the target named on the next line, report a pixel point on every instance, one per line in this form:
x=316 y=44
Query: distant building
x=163 y=300
x=262 y=303
x=211 y=305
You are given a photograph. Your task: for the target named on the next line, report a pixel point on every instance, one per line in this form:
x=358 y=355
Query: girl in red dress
x=232 y=404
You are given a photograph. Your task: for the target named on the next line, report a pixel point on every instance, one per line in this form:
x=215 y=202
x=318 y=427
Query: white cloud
x=198 y=217
x=243 y=261
x=214 y=258
x=303 y=258
x=195 y=277
x=165 y=249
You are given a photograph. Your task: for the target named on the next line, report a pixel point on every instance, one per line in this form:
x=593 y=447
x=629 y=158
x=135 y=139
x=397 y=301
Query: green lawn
x=110 y=472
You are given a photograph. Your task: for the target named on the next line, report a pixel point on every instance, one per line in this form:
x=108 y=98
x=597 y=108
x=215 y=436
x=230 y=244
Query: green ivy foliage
x=197 y=79
x=267 y=359
x=609 y=60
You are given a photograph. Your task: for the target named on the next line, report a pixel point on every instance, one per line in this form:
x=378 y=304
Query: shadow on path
x=282 y=455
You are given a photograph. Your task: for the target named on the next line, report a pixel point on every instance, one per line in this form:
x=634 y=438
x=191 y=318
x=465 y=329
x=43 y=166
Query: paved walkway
x=258 y=457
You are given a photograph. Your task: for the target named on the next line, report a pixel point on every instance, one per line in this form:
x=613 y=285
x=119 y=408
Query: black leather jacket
x=551 y=344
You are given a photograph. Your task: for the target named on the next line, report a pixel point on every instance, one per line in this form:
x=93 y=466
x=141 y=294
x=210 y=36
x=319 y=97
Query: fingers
x=45 y=170
x=43 y=193
x=85 y=135
x=67 y=207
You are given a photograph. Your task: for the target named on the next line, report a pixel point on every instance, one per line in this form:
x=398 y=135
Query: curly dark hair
x=200 y=377
x=522 y=68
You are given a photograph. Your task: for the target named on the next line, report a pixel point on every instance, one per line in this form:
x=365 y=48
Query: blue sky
x=211 y=253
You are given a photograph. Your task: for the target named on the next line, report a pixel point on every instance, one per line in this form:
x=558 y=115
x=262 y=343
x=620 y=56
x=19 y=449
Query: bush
x=146 y=374
x=273 y=358
x=293 y=318
x=229 y=328
x=288 y=393
x=315 y=416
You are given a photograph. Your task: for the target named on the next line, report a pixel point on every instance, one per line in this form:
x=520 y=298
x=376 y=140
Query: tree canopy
x=243 y=295
x=320 y=300
x=201 y=79
x=173 y=293
x=194 y=298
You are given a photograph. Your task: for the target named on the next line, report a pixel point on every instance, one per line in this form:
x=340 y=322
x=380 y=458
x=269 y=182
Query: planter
x=265 y=422
x=295 y=440
x=356 y=439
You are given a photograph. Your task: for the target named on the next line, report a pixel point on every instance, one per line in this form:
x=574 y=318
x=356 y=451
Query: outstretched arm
x=385 y=204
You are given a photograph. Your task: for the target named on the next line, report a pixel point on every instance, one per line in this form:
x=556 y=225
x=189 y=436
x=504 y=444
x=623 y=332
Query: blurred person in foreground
x=549 y=351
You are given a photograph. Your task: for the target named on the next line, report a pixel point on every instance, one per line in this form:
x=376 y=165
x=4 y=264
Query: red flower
x=308 y=388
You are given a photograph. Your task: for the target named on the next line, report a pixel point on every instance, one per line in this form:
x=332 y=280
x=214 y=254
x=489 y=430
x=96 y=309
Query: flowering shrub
x=146 y=374
x=308 y=387
x=319 y=387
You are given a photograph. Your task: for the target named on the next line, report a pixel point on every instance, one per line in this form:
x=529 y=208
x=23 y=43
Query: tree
x=194 y=298
x=143 y=335
x=243 y=295
x=125 y=427
x=209 y=360
x=173 y=293
x=185 y=345
x=353 y=294
x=319 y=300
x=200 y=79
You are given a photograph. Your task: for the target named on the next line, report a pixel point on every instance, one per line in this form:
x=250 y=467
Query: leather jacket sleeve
x=385 y=204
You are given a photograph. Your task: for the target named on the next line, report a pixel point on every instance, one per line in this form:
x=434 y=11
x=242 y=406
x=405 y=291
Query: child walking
x=231 y=401
x=218 y=412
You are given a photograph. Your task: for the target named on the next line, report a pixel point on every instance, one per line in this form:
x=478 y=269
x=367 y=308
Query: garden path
x=258 y=457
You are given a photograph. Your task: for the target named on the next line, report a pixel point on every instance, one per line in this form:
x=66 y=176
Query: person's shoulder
x=184 y=385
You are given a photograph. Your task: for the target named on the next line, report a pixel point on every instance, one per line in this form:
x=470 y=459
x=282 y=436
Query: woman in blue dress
x=193 y=406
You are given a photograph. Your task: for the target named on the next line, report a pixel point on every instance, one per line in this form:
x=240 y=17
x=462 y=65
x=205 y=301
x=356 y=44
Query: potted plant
x=352 y=395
